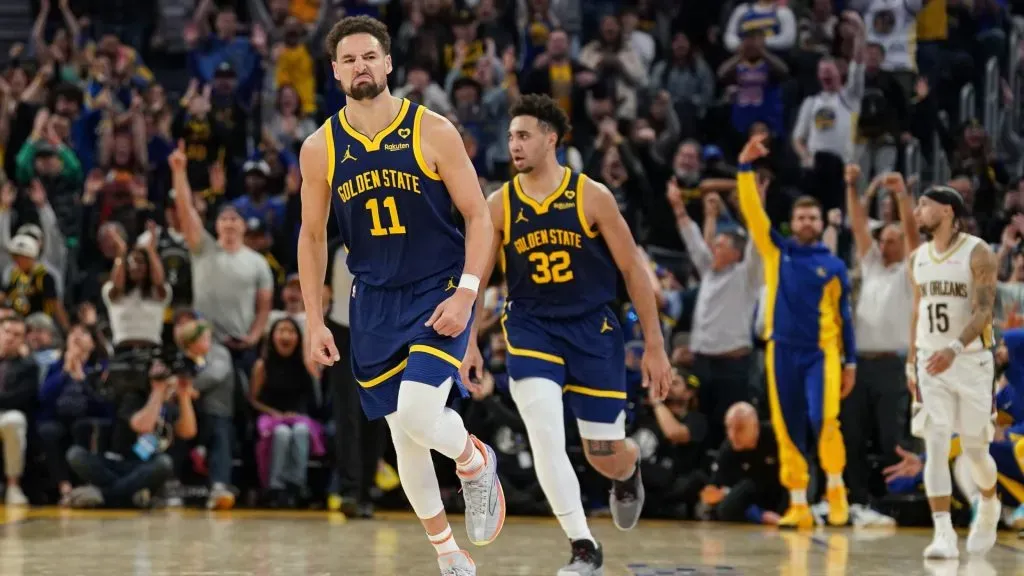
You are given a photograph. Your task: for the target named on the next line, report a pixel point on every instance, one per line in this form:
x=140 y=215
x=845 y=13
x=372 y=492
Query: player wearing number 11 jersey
x=394 y=172
x=562 y=242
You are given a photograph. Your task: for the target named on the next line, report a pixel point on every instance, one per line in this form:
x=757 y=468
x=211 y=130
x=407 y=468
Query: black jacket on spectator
x=538 y=81
x=884 y=106
x=760 y=465
x=19 y=384
x=123 y=437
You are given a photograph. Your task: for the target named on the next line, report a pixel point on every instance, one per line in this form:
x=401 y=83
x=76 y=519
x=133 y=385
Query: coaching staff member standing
x=810 y=358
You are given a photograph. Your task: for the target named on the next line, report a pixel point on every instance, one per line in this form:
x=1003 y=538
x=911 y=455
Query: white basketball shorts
x=958 y=400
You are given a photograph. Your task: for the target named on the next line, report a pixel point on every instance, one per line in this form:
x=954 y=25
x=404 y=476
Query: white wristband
x=956 y=346
x=911 y=371
x=470 y=282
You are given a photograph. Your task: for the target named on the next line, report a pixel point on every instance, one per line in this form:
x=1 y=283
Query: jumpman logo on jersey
x=451 y=285
x=348 y=155
x=521 y=217
x=605 y=326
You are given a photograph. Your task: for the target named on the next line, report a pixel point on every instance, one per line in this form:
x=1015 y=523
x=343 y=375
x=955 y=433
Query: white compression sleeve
x=540 y=404
x=937 y=481
x=416 y=469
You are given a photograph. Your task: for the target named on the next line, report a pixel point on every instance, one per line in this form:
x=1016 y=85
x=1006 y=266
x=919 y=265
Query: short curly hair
x=545 y=110
x=351 y=25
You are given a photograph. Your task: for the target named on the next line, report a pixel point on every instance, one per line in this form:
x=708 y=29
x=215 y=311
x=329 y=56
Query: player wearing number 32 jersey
x=950 y=367
x=562 y=242
x=395 y=172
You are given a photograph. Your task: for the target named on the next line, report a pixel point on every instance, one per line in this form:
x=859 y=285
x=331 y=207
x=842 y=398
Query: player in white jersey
x=950 y=368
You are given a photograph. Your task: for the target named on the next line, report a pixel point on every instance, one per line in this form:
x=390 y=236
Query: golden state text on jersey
x=395 y=213
x=556 y=264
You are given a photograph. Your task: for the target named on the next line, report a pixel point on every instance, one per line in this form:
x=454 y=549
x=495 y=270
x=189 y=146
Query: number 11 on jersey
x=374 y=208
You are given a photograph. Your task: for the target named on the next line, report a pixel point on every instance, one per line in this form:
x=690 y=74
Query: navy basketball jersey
x=556 y=265
x=395 y=213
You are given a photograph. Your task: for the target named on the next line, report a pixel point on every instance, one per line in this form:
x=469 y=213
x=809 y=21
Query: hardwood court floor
x=65 y=543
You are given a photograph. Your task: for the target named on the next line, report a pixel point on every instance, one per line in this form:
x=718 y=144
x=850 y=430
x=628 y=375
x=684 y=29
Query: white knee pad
x=416 y=469
x=983 y=466
x=425 y=418
x=937 y=481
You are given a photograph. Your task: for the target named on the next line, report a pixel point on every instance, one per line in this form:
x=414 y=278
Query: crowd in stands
x=106 y=258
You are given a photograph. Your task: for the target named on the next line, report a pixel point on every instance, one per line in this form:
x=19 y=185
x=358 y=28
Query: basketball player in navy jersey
x=394 y=170
x=563 y=242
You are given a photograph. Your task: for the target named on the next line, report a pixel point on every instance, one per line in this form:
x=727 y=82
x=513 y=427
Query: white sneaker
x=982 y=536
x=15 y=497
x=867 y=517
x=221 y=498
x=485 y=500
x=456 y=563
x=943 y=546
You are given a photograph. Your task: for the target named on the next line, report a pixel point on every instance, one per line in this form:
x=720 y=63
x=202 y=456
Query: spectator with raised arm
x=752 y=79
x=237 y=285
x=136 y=295
x=824 y=133
x=879 y=403
x=618 y=66
x=720 y=337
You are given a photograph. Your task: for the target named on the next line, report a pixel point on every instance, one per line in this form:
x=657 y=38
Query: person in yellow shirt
x=295 y=67
x=932 y=32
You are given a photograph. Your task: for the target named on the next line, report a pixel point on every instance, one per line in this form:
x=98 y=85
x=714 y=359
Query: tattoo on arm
x=600 y=447
x=985 y=269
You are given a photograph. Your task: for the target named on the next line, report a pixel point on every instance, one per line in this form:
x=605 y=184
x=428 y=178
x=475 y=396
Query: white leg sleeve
x=416 y=470
x=964 y=481
x=540 y=404
x=425 y=418
x=983 y=466
x=937 y=481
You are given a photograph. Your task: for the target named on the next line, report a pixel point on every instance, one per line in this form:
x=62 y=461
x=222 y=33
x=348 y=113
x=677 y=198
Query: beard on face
x=365 y=90
x=805 y=234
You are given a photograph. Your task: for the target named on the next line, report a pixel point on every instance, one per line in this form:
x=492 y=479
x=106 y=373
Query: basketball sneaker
x=587 y=560
x=456 y=563
x=627 y=500
x=798 y=516
x=943 y=546
x=982 y=536
x=838 y=506
x=485 y=500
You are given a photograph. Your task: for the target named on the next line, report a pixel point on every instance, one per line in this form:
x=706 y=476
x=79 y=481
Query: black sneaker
x=627 y=501
x=587 y=560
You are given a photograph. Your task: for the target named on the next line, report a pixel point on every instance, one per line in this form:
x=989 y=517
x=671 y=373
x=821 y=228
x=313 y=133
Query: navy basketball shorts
x=584 y=355
x=390 y=342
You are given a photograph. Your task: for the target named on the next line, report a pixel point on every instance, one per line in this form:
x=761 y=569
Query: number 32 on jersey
x=550 y=267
